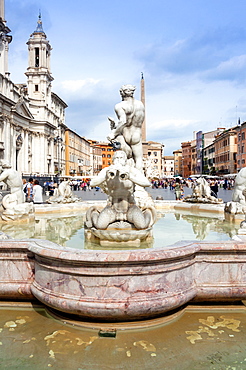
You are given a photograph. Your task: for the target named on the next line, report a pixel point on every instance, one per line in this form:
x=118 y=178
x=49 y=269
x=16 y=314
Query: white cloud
x=80 y=85
x=174 y=123
x=233 y=69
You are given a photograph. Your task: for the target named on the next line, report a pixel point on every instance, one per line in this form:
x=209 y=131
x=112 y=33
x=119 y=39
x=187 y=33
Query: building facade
x=177 y=154
x=226 y=152
x=152 y=155
x=32 y=117
x=241 y=146
x=95 y=157
x=168 y=166
x=107 y=153
x=209 y=160
x=77 y=152
x=186 y=159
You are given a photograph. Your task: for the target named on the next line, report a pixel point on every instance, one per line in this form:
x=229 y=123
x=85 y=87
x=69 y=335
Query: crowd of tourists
x=34 y=191
x=177 y=185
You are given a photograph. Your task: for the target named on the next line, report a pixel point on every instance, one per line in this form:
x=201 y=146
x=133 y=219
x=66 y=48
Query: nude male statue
x=119 y=181
x=127 y=132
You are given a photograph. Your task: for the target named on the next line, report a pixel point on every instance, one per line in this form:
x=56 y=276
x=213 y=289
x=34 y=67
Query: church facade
x=32 y=117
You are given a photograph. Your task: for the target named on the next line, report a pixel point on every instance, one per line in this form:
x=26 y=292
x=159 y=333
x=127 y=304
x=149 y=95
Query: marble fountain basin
x=122 y=285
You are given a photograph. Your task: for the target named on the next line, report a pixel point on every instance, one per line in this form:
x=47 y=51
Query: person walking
x=214 y=189
x=29 y=192
x=178 y=189
x=37 y=193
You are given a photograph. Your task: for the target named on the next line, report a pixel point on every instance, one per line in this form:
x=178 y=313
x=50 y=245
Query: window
x=103 y=155
x=243 y=135
x=36 y=87
x=36 y=57
x=108 y=155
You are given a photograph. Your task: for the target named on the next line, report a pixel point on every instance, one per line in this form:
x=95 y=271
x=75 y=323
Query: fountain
x=202 y=193
x=130 y=284
x=121 y=220
x=63 y=194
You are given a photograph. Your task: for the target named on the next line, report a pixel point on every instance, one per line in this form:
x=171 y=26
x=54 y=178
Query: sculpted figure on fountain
x=13 y=204
x=63 y=194
x=126 y=134
x=238 y=203
x=201 y=193
x=118 y=181
x=129 y=214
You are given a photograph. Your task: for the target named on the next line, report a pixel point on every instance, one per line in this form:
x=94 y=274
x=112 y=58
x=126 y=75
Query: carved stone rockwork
x=63 y=194
x=201 y=193
x=122 y=220
x=238 y=203
x=130 y=212
x=13 y=206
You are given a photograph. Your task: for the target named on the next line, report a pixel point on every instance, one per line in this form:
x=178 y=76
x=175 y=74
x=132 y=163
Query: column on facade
x=23 y=156
x=8 y=140
x=37 y=154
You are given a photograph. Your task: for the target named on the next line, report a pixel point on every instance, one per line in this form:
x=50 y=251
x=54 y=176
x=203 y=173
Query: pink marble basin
x=121 y=285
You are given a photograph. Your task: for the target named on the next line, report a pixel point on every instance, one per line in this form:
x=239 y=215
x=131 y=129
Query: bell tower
x=38 y=72
x=5 y=40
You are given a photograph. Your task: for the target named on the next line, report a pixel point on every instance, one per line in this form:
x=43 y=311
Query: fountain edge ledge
x=121 y=285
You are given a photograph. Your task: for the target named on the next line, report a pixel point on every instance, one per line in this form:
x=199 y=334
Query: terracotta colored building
x=77 y=154
x=226 y=152
x=241 y=146
x=186 y=159
x=107 y=153
x=177 y=162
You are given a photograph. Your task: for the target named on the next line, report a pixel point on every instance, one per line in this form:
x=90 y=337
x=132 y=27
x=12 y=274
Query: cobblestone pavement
x=167 y=194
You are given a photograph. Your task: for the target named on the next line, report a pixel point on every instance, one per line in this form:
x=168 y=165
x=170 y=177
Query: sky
x=192 y=54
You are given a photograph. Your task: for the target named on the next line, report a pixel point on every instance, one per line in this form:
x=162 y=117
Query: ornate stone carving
x=19 y=141
x=126 y=134
x=238 y=203
x=13 y=205
x=202 y=193
x=63 y=194
x=121 y=213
